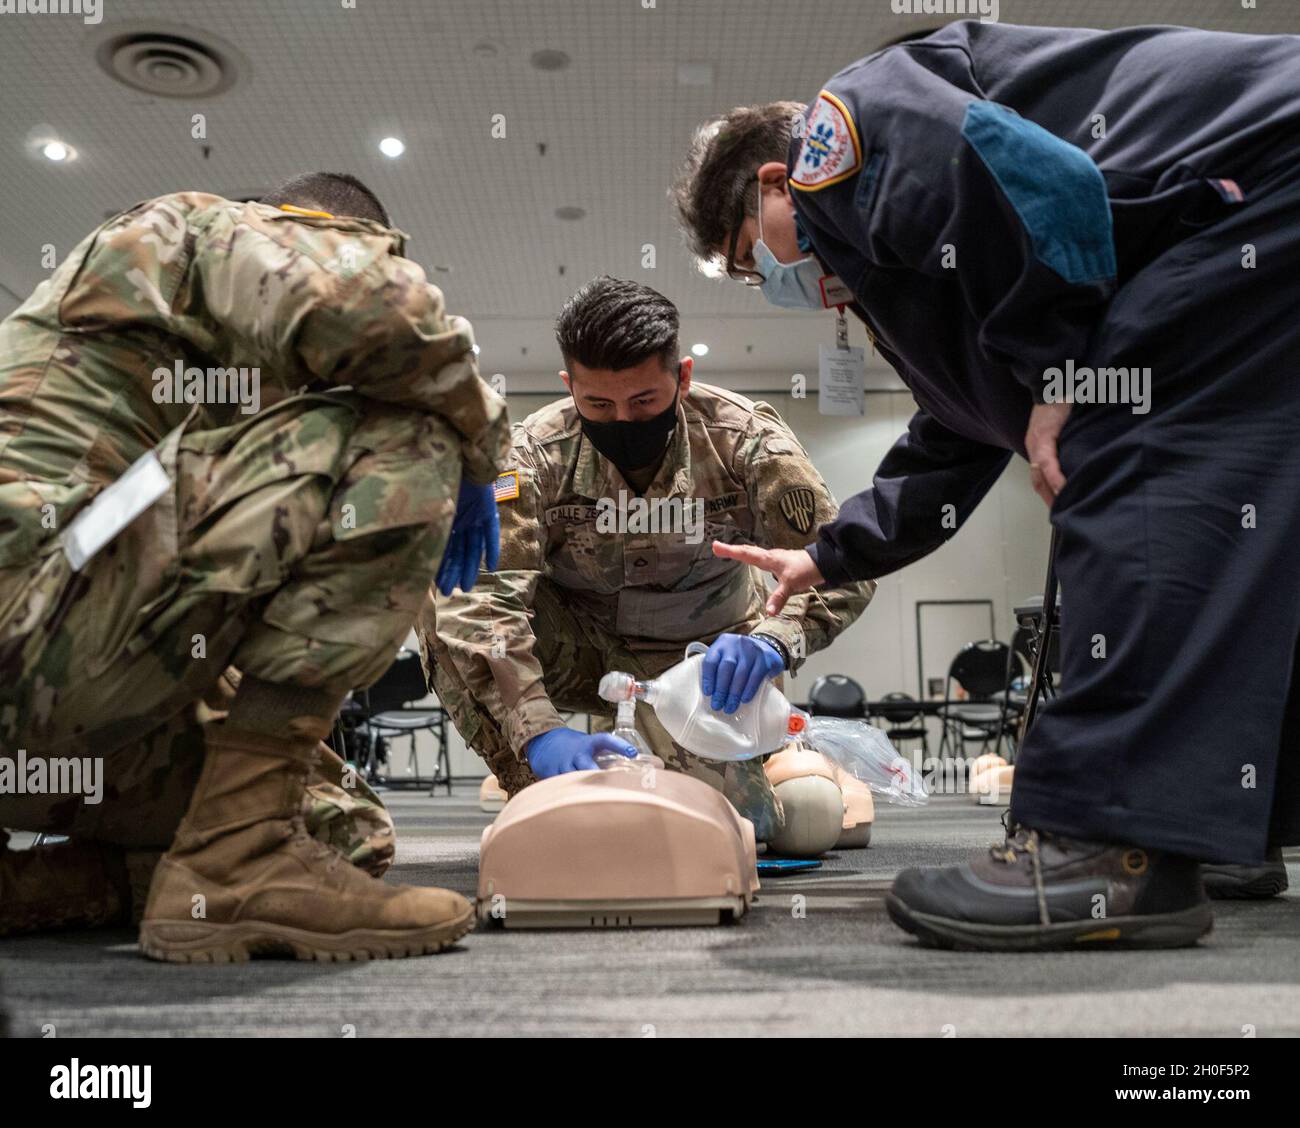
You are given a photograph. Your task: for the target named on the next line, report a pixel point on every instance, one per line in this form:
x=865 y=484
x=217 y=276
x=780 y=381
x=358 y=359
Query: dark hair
x=612 y=324
x=718 y=173
x=335 y=192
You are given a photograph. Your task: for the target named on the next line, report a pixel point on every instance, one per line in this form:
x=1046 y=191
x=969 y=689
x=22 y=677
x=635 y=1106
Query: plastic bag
x=868 y=754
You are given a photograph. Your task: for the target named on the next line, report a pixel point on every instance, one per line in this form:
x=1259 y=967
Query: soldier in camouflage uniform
x=291 y=545
x=572 y=599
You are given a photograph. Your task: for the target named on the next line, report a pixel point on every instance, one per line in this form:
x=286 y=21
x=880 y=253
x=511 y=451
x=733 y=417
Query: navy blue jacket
x=983 y=192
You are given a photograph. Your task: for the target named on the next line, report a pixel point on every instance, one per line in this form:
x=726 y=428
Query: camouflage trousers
x=574 y=654
x=296 y=546
x=147 y=788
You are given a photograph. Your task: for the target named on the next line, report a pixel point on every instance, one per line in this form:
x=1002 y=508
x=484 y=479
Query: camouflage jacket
x=733 y=466
x=193 y=281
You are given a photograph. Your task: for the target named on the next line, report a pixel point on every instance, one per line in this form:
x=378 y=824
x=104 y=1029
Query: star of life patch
x=831 y=151
x=506 y=487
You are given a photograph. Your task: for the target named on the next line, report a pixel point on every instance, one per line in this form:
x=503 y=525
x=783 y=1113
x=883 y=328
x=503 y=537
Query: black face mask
x=633 y=444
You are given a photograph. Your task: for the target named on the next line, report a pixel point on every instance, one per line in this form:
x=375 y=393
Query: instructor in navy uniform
x=1078 y=247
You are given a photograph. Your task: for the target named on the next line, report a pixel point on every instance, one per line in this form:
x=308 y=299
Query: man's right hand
x=565 y=750
x=793 y=569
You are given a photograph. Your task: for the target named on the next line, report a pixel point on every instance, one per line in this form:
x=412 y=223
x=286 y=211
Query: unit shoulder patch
x=506 y=487
x=799 y=508
x=831 y=151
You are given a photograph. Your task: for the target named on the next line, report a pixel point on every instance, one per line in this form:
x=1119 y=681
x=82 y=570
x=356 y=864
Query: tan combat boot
x=244 y=877
x=72 y=885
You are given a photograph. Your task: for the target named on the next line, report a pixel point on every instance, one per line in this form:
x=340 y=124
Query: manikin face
x=627 y=395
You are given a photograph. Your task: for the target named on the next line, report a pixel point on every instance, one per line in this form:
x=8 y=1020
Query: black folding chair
x=904 y=720
x=979 y=668
x=835 y=695
x=385 y=710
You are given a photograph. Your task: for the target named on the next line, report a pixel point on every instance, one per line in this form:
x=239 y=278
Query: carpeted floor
x=843 y=969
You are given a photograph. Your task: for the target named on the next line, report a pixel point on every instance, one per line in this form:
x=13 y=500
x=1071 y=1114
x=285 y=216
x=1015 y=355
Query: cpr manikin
x=633 y=844
x=989 y=779
x=628 y=844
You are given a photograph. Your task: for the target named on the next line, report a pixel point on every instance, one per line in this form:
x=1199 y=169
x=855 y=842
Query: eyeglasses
x=734 y=272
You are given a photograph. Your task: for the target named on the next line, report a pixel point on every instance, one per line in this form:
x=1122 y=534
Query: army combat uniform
x=573 y=599
x=293 y=543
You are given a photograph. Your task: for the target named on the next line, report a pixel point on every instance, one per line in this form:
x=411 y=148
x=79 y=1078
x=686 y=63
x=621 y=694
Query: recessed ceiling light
x=701 y=349
x=392 y=147
x=570 y=211
x=55 y=151
x=549 y=59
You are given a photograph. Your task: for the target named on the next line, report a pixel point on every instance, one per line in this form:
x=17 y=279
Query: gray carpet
x=844 y=969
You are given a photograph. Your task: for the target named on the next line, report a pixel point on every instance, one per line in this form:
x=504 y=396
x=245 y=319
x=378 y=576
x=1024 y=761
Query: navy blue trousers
x=1178 y=727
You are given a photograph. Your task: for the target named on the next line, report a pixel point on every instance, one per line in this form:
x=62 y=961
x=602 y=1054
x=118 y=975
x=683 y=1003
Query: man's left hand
x=735 y=668
x=1045 y=423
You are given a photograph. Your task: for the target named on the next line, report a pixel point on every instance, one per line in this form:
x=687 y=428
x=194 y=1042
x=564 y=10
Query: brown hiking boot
x=72 y=885
x=244 y=878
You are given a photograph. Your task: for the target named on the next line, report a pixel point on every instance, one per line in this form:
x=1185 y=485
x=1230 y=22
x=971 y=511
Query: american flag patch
x=506 y=487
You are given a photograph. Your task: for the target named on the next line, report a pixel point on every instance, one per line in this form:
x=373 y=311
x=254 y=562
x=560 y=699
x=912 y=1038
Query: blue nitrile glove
x=566 y=750
x=474 y=532
x=735 y=668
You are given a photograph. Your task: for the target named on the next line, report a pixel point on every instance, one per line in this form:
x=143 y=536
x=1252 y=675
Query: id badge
x=114 y=508
x=842 y=375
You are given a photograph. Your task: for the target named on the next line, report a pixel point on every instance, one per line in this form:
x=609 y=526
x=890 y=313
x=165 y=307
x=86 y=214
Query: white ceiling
x=321 y=84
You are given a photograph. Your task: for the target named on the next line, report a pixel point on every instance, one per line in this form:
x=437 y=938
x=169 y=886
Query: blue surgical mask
x=790 y=285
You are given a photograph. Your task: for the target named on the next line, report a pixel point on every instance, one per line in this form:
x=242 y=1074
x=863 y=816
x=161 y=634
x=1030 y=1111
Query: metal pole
x=1042 y=675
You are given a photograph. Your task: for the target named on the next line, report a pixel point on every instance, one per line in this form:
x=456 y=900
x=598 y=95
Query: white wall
x=1000 y=554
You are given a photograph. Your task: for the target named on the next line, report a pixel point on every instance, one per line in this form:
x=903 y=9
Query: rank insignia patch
x=799 y=507
x=506 y=487
x=831 y=151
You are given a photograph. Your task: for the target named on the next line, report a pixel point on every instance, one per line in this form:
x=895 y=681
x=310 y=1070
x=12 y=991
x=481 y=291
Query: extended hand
x=565 y=750
x=1045 y=423
x=475 y=531
x=793 y=569
x=735 y=668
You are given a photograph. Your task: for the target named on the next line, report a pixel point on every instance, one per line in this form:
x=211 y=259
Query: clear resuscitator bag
x=763 y=725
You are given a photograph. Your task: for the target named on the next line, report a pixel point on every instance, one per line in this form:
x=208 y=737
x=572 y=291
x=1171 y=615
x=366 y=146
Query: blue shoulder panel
x=1055 y=188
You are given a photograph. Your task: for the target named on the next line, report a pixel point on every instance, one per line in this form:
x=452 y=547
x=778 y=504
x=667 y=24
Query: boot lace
x=1023 y=840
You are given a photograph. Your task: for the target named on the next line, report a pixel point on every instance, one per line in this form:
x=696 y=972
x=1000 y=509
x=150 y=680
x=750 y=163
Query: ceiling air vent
x=166 y=65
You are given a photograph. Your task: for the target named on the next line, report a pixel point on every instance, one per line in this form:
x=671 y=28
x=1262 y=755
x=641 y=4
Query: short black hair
x=338 y=193
x=613 y=324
